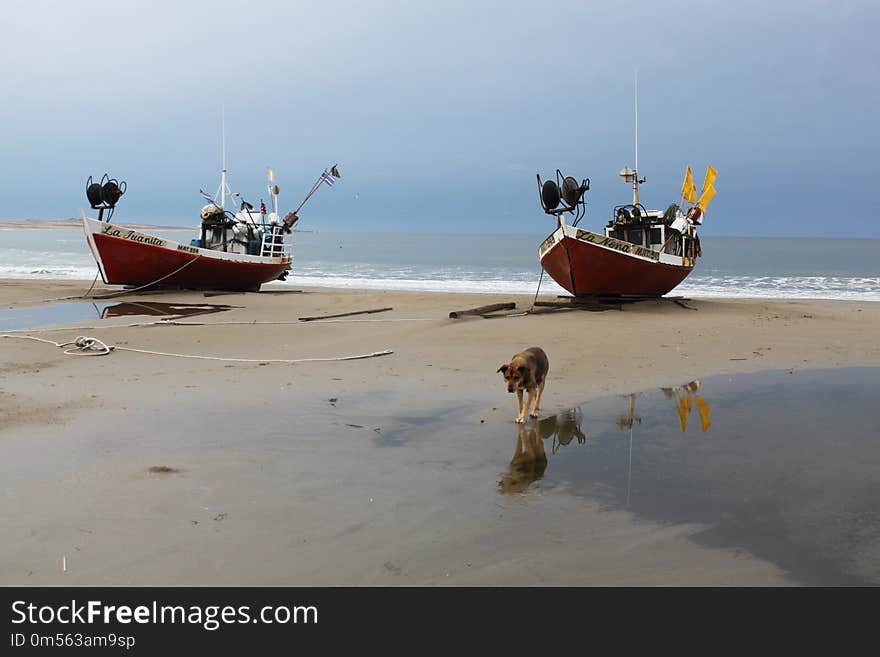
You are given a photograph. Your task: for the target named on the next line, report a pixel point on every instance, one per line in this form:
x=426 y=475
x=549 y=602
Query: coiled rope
x=83 y=345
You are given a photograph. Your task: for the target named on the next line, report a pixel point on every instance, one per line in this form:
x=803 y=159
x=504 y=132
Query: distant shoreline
x=39 y=224
x=42 y=224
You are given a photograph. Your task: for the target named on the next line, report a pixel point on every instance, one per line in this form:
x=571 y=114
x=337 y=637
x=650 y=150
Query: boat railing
x=273 y=243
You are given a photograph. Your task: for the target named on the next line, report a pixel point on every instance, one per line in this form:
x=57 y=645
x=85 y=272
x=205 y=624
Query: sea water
x=765 y=267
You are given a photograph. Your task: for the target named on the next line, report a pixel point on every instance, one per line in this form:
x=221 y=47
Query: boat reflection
x=686 y=397
x=529 y=460
x=159 y=309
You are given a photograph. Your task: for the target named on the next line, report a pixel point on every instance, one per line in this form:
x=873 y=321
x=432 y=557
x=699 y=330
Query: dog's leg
x=520 y=413
x=537 y=408
x=529 y=403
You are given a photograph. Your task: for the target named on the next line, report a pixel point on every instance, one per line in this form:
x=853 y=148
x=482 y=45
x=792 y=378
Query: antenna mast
x=637 y=119
x=224 y=188
x=223 y=157
x=632 y=175
x=636 y=177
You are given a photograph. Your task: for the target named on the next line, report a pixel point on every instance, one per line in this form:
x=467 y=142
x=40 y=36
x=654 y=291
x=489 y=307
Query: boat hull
x=588 y=264
x=129 y=257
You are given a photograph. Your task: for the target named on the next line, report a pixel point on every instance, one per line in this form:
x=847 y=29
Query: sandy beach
x=313 y=473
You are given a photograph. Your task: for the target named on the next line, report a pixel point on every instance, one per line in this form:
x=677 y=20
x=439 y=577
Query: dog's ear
x=503 y=369
x=522 y=370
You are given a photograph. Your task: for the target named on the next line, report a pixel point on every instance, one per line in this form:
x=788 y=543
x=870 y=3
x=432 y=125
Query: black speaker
x=550 y=195
x=571 y=191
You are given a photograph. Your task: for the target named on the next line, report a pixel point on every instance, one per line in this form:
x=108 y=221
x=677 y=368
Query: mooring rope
x=88 y=346
x=137 y=289
x=174 y=322
x=540 y=280
x=111 y=294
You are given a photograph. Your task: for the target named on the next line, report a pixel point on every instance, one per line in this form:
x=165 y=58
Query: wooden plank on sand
x=356 y=312
x=482 y=310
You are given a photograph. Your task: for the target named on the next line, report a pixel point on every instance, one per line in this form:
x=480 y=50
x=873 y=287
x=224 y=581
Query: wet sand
x=337 y=472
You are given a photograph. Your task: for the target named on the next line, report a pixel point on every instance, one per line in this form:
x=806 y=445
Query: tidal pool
x=751 y=478
x=69 y=312
x=784 y=464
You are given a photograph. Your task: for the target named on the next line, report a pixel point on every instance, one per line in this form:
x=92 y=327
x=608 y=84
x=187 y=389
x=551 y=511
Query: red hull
x=125 y=261
x=587 y=269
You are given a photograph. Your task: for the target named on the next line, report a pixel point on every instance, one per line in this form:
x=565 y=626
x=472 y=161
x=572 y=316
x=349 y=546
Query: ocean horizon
x=731 y=267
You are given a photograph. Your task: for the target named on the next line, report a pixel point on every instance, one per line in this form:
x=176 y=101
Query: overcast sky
x=439 y=114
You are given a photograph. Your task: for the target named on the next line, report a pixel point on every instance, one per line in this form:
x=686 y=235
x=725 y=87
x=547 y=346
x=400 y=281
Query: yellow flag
x=705 y=197
x=688 y=190
x=709 y=180
x=270 y=174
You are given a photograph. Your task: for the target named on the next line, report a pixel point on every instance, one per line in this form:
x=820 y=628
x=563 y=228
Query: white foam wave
x=485 y=286
x=853 y=288
x=48 y=273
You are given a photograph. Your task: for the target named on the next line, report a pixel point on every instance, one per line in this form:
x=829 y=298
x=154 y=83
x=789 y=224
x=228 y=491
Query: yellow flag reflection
x=704 y=410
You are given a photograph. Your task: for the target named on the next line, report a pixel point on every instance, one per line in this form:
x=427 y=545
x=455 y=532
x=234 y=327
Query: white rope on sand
x=374 y=354
x=174 y=322
x=86 y=346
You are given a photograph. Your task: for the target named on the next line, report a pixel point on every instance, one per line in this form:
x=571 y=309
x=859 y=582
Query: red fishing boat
x=234 y=251
x=642 y=253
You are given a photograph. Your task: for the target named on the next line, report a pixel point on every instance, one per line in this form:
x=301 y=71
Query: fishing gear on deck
x=105 y=195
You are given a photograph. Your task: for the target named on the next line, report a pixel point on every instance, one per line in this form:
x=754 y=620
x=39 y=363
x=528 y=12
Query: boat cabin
x=247 y=232
x=663 y=232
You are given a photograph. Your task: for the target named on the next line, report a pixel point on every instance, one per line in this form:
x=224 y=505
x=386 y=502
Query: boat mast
x=223 y=158
x=224 y=187
x=632 y=175
x=636 y=176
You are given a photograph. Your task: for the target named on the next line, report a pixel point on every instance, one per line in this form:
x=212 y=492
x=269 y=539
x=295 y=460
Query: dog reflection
x=529 y=459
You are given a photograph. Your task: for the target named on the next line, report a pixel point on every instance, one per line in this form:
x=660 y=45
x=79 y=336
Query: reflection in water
x=686 y=397
x=565 y=427
x=626 y=421
x=789 y=473
x=159 y=309
x=529 y=460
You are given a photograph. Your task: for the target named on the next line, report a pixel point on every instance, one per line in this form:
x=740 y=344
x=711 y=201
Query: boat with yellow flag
x=642 y=252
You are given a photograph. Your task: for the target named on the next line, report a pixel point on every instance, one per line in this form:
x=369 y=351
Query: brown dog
x=527 y=370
